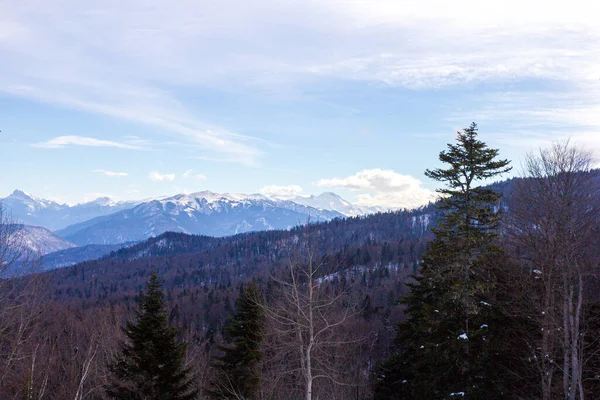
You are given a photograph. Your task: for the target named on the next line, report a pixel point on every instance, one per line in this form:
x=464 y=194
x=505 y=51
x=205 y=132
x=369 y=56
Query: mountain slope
x=41 y=241
x=203 y=213
x=76 y=255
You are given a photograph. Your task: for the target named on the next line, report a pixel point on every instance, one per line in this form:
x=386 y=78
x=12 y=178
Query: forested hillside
x=191 y=261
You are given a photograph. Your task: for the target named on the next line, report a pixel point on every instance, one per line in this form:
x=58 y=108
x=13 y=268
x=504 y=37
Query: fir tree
x=446 y=342
x=151 y=361
x=237 y=371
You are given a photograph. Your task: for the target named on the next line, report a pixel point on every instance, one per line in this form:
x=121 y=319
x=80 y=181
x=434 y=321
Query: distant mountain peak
x=329 y=194
x=19 y=194
x=32 y=202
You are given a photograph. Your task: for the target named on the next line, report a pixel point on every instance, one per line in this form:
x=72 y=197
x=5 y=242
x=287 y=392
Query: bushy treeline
x=498 y=300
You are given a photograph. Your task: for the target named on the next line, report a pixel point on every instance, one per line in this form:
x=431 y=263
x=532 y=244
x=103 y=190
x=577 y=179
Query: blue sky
x=283 y=97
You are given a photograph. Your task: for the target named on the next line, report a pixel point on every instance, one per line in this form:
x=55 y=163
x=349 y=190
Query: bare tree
x=20 y=297
x=307 y=326
x=552 y=224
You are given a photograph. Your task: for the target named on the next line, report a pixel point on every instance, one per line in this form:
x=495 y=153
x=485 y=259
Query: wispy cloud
x=532 y=119
x=383 y=187
x=164 y=44
x=111 y=174
x=127 y=62
x=158 y=177
x=103 y=70
x=192 y=175
x=64 y=141
x=281 y=192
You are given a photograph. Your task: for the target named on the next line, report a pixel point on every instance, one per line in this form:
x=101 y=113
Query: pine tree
x=151 y=361
x=446 y=342
x=237 y=371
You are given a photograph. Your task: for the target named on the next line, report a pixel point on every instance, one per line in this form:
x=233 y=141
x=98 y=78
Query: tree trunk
x=567 y=339
x=576 y=339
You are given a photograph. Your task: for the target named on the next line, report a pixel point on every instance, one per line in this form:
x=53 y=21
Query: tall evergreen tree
x=237 y=371
x=446 y=342
x=151 y=362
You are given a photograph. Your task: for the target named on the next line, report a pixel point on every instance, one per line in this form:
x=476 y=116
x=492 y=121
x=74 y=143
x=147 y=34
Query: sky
x=132 y=100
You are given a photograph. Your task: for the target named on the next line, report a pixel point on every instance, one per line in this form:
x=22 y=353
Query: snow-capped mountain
x=30 y=210
x=204 y=213
x=41 y=241
x=104 y=221
x=331 y=201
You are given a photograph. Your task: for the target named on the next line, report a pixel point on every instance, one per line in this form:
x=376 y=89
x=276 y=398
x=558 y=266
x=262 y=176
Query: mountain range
x=28 y=209
x=105 y=222
x=203 y=213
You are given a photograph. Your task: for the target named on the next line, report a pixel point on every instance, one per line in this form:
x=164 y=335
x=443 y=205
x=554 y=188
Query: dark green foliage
x=445 y=348
x=151 y=362
x=470 y=217
x=237 y=371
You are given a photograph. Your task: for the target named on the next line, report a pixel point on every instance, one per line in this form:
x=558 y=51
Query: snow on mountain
x=30 y=203
x=212 y=197
x=30 y=210
x=104 y=221
x=204 y=213
x=101 y=201
x=41 y=241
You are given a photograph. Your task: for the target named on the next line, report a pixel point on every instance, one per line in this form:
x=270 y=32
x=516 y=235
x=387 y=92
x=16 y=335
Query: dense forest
x=490 y=293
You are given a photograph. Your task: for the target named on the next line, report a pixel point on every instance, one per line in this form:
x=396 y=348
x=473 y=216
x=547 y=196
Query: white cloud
x=111 y=174
x=383 y=187
x=191 y=175
x=158 y=177
x=63 y=141
x=281 y=192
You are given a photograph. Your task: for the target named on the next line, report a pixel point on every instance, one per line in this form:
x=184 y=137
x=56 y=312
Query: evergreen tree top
x=151 y=300
x=469 y=160
x=151 y=363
